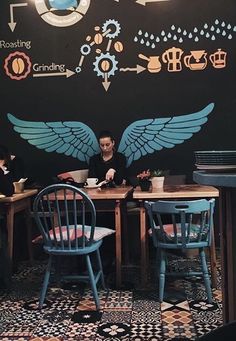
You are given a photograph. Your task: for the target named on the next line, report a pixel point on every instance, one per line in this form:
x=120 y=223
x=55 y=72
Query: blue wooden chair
x=66 y=218
x=189 y=226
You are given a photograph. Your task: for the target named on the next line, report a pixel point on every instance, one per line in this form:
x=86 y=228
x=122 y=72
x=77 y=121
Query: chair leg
x=206 y=276
x=92 y=282
x=45 y=283
x=100 y=269
x=162 y=274
x=157 y=264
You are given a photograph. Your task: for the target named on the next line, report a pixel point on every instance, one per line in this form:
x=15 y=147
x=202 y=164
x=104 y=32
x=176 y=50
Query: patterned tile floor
x=131 y=314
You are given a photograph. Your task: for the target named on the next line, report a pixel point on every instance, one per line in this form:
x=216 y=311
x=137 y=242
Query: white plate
x=216 y=167
x=94 y=186
x=215 y=152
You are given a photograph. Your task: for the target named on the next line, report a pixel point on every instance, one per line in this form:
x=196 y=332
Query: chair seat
x=73 y=252
x=72 y=233
x=169 y=233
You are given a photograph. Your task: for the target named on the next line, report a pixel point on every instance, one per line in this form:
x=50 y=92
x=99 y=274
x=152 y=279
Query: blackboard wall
x=110 y=85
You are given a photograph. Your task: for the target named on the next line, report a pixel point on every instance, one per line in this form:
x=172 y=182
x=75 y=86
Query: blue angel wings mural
x=140 y=138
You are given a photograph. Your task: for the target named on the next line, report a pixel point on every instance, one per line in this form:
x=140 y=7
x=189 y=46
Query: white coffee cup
x=91 y=181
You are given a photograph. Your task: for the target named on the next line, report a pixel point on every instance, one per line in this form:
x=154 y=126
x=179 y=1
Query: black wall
x=186 y=24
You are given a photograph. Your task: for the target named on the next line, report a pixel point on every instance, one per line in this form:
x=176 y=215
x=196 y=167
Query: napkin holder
x=19 y=186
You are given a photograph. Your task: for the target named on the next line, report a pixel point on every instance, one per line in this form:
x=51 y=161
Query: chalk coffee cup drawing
x=91 y=181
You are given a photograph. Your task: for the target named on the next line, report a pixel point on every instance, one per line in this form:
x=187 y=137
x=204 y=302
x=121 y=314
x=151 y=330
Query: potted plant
x=144 y=180
x=157 y=178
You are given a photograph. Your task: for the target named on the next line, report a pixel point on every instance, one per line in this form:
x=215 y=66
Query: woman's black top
x=98 y=167
x=6 y=184
x=16 y=171
x=17 y=168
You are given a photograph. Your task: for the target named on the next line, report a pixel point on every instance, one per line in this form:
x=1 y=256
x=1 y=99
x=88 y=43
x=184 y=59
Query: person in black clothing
x=6 y=188
x=6 y=180
x=109 y=164
x=16 y=168
x=11 y=170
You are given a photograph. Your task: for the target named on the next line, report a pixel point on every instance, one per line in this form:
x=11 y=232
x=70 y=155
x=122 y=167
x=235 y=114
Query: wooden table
x=168 y=192
x=11 y=205
x=114 y=200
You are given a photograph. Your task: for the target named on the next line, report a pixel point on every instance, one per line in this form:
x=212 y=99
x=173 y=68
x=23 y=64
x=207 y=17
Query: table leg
x=10 y=229
x=143 y=239
x=28 y=223
x=125 y=234
x=118 y=243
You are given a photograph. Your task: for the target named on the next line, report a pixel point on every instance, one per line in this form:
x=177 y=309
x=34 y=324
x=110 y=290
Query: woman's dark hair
x=5 y=155
x=105 y=133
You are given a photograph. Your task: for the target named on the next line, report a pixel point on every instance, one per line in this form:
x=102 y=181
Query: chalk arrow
x=68 y=73
x=106 y=83
x=12 y=23
x=143 y=2
x=137 y=69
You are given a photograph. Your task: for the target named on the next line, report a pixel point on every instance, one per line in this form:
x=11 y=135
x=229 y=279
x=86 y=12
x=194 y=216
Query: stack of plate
x=216 y=160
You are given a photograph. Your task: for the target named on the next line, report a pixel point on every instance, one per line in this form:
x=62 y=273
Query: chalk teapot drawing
x=218 y=59
x=154 y=64
x=173 y=58
x=196 y=60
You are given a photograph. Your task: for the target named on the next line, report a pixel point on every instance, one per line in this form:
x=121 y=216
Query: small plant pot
x=145 y=185
x=157 y=182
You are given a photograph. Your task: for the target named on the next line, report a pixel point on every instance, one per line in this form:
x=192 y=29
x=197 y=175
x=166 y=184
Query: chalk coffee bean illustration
x=18 y=66
x=105 y=65
x=118 y=46
x=98 y=38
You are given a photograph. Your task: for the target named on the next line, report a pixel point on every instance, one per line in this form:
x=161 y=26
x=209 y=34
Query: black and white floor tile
x=130 y=314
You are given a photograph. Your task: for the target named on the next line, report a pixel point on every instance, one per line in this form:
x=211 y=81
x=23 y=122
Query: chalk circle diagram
x=62 y=13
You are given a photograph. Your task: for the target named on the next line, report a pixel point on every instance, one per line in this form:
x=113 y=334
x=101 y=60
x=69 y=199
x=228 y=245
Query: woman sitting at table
x=108 y=165
x=6 y=188
x=6 y=180
x=11 y=170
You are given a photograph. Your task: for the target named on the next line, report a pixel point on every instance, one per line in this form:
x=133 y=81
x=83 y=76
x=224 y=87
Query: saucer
x=93 y=186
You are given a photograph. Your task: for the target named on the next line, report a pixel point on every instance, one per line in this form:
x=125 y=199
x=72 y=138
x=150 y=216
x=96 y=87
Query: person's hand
x=3 y=167
x=110 y=174
x=2 y=162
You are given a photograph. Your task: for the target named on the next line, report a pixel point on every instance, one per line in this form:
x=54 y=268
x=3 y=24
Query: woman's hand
x=110 y=174
x=2 y=162
x=3 y=167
